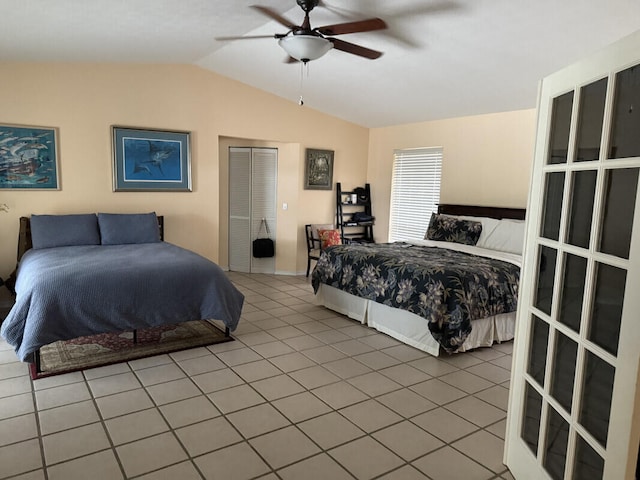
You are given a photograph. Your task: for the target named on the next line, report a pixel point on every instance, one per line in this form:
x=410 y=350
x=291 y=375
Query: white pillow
x=506 y=236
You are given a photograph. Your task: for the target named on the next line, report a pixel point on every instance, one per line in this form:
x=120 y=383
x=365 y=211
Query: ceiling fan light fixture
x=305 y=47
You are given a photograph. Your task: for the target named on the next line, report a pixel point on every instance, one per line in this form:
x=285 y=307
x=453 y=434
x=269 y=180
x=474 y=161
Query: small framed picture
x=147 y=159
x=318 y=173
x=29 y=157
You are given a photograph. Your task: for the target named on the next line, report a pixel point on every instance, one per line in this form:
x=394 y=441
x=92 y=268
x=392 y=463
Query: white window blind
x=415 y=192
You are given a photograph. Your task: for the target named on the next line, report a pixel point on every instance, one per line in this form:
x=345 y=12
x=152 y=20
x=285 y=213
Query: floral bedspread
x=446 y=287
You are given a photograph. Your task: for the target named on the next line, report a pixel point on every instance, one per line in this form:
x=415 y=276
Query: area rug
x=109 y=348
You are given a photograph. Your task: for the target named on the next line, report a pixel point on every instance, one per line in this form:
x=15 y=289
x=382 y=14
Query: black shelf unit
x=353 y=231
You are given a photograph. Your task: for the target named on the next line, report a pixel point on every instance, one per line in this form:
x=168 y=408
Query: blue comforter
x=68 y=292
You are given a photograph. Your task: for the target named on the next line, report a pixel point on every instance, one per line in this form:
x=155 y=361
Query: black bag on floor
x=263 y=247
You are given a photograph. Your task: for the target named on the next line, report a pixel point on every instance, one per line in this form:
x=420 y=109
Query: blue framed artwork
x=28 y=157
x=146 y=159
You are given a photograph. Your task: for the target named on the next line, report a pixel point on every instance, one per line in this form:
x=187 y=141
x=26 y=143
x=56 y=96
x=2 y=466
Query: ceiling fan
x=304 y=43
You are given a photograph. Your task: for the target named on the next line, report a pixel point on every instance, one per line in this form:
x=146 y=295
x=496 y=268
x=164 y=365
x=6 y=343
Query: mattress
x=411 y=329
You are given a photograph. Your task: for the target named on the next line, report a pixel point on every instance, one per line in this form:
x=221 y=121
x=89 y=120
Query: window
x=415 y=192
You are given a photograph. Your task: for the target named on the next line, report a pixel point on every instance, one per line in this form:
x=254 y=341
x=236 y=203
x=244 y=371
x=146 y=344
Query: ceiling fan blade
x=355 y=49
x=353 y=27
x=274 y=16
x=251 y=37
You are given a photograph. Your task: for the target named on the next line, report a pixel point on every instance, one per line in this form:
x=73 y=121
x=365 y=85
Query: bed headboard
x=480 y=211
x=24 y=235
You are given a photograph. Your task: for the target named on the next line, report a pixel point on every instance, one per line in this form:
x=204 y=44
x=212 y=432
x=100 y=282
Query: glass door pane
x=575 y=272
x=596 y=397
x=626 y=120
x=590 y=123
x=556 y=441
x=604 y=329
x=533 y=416
x=589 y=465
x=538 y=352
x=583 y=188
x=546 y=272
x=554 y=191
x=560 y=127
x=564 y=370
x=621 y=186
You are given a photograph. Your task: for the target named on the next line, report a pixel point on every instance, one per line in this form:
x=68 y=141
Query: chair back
x=313 y=238
x=313 y=243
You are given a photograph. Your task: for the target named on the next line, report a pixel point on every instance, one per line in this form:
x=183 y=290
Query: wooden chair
x=313 y=245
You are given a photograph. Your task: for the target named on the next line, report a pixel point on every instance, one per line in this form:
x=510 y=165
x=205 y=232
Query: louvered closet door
x=264 y=172
x=573 y=411
x=240 y=209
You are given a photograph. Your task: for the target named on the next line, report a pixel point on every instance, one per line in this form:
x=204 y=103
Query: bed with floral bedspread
x=448 y=288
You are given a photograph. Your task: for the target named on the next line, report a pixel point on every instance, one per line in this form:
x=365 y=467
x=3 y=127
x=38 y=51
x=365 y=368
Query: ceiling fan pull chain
x=302 y=68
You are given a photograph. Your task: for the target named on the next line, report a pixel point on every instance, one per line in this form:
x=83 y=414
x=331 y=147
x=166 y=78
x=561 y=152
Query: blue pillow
x=49 y=231
x=123 y=228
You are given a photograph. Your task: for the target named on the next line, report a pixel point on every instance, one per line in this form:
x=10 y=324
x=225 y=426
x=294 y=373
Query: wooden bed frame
x=480 y=211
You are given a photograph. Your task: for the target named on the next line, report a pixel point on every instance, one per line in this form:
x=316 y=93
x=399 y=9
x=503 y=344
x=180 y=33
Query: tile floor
x=303 y=393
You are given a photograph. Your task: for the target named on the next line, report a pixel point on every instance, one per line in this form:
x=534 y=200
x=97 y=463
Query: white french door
x=253 y=174
x=573 y=406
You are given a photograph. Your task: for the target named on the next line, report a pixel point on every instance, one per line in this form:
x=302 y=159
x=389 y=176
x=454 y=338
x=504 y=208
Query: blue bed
x=116 y=276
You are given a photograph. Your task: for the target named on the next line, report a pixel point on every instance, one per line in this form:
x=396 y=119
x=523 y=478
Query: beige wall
x=486 y=160
x=84 y=100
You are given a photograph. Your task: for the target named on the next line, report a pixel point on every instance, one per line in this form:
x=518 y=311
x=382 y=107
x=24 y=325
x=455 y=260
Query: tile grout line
x=310 y=390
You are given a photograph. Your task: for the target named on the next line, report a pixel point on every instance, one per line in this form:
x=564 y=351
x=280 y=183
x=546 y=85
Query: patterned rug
x=108 y=348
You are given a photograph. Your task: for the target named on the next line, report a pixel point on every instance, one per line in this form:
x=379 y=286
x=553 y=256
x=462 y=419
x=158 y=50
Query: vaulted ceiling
x=442 y=58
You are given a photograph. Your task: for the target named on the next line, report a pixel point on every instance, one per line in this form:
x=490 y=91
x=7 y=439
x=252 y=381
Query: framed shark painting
x=28 y=157
x=155 y=160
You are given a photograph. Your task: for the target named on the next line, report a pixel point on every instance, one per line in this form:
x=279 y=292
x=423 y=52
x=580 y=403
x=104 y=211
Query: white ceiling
x=442 y=58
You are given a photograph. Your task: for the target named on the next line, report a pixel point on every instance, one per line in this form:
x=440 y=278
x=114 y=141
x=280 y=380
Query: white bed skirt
x=408 y=327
